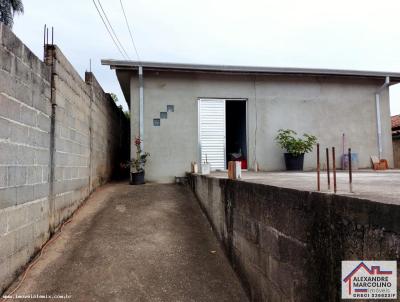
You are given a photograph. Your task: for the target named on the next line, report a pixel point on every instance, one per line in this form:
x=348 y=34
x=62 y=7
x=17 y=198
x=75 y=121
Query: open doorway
x=236 y=138
x=222 y=132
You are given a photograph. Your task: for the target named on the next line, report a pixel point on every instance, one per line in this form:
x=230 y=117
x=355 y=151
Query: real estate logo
x=369 y=280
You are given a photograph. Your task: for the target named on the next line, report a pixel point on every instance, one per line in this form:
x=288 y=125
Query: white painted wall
x=323 y=106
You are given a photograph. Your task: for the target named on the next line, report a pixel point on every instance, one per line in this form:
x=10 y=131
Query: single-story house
x=396 y=140
x=189 y=112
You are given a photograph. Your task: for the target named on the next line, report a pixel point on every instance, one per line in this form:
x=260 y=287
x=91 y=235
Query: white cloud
x=317 y=34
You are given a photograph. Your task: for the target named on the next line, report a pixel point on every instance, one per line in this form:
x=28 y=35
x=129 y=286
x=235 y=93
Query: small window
x=170 y=108
x=163 y=115
x=156 y=122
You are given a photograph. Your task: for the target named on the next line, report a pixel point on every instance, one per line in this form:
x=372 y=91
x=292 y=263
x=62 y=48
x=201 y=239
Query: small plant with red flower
x=141 y=158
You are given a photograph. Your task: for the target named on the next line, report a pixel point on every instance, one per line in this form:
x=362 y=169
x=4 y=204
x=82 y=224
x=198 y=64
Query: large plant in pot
x=295 y=148
x=137 y=164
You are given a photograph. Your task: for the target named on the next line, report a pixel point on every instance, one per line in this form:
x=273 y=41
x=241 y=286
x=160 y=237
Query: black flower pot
x=294 y=162
x=137 y=178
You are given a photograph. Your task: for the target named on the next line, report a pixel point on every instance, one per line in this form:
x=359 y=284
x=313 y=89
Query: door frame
x=198 y=127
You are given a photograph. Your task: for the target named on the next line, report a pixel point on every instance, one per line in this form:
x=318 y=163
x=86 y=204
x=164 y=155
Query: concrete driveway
x=136 y=243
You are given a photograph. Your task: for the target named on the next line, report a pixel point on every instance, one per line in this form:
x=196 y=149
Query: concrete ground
x=136 y=243
x=382 y=186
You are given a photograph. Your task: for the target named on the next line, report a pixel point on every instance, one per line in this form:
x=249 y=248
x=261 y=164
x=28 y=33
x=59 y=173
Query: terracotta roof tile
x=395 y=121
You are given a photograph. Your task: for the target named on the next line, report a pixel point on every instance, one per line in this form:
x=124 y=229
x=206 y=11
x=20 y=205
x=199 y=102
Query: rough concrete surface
x=136 y=243
x=287 y=243
x=378 y=186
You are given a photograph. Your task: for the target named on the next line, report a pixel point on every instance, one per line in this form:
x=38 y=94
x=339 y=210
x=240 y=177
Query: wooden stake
x=327 y=169
x=350 y=173
x=318 y=171
x=334 y=168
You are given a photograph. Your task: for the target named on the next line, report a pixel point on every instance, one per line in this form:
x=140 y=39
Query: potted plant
x=137 y=165
x=295 y=148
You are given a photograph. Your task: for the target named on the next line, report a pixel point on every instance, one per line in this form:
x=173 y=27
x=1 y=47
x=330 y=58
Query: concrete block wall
x=287 y=245
x=55 y=128
x=25 y=111
x=72 y=99
x=107 y=144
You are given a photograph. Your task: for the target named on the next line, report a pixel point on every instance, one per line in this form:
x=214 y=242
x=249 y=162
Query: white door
x=212 y=132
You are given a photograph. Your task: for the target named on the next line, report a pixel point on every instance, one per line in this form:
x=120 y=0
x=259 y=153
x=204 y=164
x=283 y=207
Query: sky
x=341 y=34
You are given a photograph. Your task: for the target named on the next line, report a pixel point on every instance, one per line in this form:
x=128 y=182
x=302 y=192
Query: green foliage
x=8 y=8
x=287 y=139
x=114 y=97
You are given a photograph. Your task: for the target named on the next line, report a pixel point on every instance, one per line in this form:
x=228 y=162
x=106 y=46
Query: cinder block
x=19 y=134
x=24 y=237
x=22 y=92
x=8 y=197
x=41 y=229
x=42 y=157
x=7 y=83
x=9 y=108
x=16 y=217
x=25 y=156
x=34 y=212
x=11 y=42
x=43 y=122
x=34 y=175
x=45 y=174
x=5 y=59
x=16 y=176
x=41 y=101
x=28 y=116
x=5 y=130
x=3 y=223
x=67 y=173
x=7 y=243
x=25 y=194
x=30 y=59
x=60 y=187
x=59 y=173
x=3 y=177
x=41 y=190
x=22 y=71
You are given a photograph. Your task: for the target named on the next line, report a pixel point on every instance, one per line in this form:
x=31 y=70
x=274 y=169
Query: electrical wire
x=130 y=32
x=112 y=29
x=108 y=30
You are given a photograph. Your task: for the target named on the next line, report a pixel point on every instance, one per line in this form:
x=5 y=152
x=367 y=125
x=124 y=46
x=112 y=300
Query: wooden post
x=318 y=170
x=334 y=168
x=327 y=169
x=350 y=173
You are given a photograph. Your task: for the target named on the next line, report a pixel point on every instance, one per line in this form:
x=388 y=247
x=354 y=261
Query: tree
x=8 y=8
x=114 y=97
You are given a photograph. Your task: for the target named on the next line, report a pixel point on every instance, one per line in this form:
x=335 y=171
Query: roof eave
x=119 y=64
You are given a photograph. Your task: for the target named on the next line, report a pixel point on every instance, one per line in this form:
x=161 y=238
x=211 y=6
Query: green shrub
x=287 y=139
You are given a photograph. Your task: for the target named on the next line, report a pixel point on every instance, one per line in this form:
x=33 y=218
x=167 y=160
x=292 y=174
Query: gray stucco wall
x=323 y=106
x=33 y=200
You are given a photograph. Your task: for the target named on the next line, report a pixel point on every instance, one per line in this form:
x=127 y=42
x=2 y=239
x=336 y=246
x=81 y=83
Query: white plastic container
x=205 y=169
